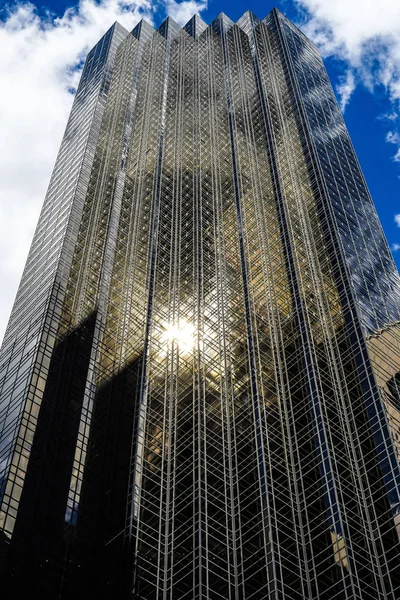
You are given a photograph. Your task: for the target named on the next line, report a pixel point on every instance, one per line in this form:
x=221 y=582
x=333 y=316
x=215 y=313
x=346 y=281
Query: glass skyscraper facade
x=200 y=379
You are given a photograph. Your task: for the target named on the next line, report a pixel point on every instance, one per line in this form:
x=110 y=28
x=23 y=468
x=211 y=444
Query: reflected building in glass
x=200 y=380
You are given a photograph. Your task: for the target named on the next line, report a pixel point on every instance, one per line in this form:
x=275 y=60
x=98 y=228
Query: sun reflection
x=182 y=333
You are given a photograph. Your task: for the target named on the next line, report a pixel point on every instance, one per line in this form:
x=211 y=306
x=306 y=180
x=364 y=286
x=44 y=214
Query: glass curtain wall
x=206 y=402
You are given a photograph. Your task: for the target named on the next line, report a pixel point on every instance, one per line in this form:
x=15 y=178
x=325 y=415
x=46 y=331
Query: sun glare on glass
x=181 y=333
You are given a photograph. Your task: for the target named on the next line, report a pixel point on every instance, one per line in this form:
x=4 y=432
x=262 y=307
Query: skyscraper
x=201 y=374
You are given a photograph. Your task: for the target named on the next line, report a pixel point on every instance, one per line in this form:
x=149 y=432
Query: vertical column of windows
x=91 y=289
x=371 y=282
x=344 y=446
x=282 y=551
x=318 y=312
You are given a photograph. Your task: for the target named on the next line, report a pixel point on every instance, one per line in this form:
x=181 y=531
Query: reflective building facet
x=200 y=379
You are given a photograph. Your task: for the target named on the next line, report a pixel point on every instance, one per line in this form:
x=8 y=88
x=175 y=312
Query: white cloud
x=395 y=247
x=397 y=220
x=38 y=72
x=365 y=34
x=393 y=137
x=390 y=116
x=182 y=12
x=345 y=89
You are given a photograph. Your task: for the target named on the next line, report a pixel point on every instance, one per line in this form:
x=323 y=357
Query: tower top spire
x=195 y=26
x=169 y=28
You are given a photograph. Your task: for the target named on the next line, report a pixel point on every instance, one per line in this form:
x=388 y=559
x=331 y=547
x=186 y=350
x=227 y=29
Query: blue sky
x=46 y=41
